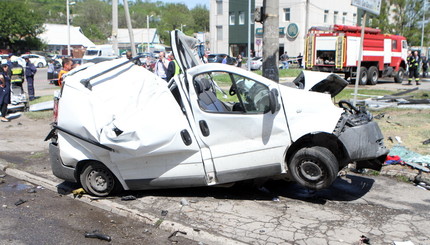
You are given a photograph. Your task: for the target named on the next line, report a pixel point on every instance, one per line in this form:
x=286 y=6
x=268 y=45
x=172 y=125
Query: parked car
x=217 y=58
x=14 y=58
x=256 y=63
x=37 y=60
x=118 y=126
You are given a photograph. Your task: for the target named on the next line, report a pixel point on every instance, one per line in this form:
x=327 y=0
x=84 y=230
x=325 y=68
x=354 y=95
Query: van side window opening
x=174 y=89
x=224 y=92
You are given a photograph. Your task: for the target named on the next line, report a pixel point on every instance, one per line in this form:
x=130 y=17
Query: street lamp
x=147 y=27
x=68 y=25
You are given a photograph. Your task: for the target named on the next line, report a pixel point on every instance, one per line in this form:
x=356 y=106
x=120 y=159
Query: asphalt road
x=32 y=214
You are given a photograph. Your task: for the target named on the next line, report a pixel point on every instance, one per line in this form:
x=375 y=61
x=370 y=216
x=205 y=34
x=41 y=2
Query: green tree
x=402 y=17
x=200 y=15
x=95 y=19
x=174 y=16
x=19 y=23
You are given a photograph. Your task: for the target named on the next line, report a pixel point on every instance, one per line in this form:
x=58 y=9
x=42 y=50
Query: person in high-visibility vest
x=17 y=73
x=413 y=64
x=173 y=68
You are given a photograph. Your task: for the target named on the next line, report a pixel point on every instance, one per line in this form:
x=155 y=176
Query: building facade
x=229 y=30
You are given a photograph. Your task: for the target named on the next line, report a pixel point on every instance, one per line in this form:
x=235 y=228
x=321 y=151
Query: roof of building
x=56 y=34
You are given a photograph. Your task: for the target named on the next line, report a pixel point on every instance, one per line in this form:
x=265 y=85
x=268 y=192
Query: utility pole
x=271 y=40
x=115 y=26
x=249 y=36
x=130 y=28
x=422 y=28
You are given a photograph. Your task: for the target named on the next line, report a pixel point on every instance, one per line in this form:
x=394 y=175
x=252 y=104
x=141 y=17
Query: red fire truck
x=336 y=49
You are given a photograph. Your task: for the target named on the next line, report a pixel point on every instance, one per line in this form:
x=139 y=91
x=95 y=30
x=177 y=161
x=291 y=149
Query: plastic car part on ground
x=415 y=160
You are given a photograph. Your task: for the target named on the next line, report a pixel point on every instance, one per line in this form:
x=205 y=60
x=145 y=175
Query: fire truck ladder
x=340 y=48
x=309 y=61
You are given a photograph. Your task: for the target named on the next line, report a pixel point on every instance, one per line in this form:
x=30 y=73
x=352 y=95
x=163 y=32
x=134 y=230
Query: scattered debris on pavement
x=184 y=202
x=399 y=100
x=364 y=240
x=128 y=198
x=19 y=202
x=98 y=235
x=174 y=234
x=403 y=243
x=78 y=192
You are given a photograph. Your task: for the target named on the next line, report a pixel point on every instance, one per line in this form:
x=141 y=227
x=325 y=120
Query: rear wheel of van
x=98 y=180
x=372 y=75
x=314 y=167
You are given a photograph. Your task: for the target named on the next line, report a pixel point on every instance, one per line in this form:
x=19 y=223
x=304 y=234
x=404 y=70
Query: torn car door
x=233 y=118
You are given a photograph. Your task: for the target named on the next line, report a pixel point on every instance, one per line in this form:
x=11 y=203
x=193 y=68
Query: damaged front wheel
x=98 y=180
x=314 y=167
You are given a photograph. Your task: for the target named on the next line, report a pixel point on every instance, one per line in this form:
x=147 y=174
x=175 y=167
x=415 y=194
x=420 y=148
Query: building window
x=354 y=19
x=335 y=17
x=241 y=18
x=325 y=16
x=219 y=7
x=344 y=18
x=219 y=33
x=231 y=18
x=286 y=14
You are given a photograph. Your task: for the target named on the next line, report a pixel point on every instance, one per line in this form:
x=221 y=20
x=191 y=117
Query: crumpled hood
x=329 y=83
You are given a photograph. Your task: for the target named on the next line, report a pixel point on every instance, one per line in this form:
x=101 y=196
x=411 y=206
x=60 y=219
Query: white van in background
x=99 y=51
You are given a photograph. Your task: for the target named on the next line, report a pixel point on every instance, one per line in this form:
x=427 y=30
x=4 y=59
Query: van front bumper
x=364 y=143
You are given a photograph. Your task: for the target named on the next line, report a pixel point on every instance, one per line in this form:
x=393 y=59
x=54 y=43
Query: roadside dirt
x=24 y=134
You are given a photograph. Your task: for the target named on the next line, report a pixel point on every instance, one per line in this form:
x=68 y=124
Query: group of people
x=414 y=63
x=13 y=73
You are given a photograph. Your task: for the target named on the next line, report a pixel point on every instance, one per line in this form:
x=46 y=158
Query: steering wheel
x=232 y=90
x=348 y=106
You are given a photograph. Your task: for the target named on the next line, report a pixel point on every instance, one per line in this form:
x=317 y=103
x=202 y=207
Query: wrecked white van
x=118 y=126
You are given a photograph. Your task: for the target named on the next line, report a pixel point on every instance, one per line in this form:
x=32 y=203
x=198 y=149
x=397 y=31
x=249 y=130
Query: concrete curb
x=116 y=208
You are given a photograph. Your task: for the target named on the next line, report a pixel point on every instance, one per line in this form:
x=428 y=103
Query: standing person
x=173 y=69
x=299 y=59
x=224 y=59
x=30 y=70
x=161 y=66
x=67 y=66
x=4 y=91
x=239 y=61
x=51 y=70
x=425 y=63
x=284 y=59
x=205 y=57
x=149 y=65
x=413 y=63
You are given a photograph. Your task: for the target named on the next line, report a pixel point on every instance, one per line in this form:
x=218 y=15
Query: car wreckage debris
x=128 y=198
x=174 y=234
x=19 y=202
x=98 y=235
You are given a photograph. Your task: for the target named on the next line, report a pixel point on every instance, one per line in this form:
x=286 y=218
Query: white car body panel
x=143 y=96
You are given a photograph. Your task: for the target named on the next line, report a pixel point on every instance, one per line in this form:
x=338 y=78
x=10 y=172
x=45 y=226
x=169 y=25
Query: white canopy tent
x=55 y=36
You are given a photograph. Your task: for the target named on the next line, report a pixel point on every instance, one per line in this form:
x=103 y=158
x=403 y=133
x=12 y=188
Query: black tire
x=98 y=180
x=372 y=75
x=40 y=65
x=314 y=167
x=400 y=74
x=363 y=72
